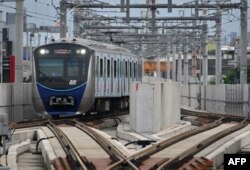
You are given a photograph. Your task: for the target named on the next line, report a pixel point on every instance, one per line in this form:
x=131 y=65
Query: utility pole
x=185 y=53
x=173 y=63
x=179 y=75
x=63 y=18
x=243 y=42
x=168 y=61
x=204 y=49
x=157 y=53
x=218 y=45
x=76 y=25
x=19 y=41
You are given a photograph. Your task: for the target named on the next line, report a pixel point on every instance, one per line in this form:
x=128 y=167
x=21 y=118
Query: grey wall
x=16 y=101
x=223 y=98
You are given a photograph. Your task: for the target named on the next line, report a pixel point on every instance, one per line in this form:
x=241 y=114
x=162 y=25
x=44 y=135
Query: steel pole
x=218 y=45
x=19 y=41
x=179 y=78
x=204 y=50
x=185 y=53
x=243 y=42
x=173 y=63
x=63 y=18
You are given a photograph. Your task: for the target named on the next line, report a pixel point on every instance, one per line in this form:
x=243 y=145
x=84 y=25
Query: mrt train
x=80 y=76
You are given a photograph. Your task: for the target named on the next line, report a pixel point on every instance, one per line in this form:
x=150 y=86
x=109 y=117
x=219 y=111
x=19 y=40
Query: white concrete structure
x=154 y=106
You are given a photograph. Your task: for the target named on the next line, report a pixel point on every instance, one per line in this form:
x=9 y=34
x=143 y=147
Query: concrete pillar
x=168 y=67
x=173 y=63
x=243 y=42
x=204 y=50
x=168 y=61
x=218 y=45
x=185 y=53
x=179 y=77
x=194 y=63
x=158 y=65
x=19 y=41
x=63 y=19
x=1 y=19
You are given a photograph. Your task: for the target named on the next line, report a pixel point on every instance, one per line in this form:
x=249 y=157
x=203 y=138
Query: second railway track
x=86 y=148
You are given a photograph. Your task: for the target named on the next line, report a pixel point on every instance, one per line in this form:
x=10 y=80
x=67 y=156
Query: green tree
x=233 y=76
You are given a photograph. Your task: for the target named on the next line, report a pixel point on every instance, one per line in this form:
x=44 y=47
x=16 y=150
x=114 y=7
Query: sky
x=43 y=12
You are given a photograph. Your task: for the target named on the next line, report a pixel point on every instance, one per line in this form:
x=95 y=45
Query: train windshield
x=61 y=66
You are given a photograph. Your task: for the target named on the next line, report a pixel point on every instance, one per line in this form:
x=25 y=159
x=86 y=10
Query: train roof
x=92 y=44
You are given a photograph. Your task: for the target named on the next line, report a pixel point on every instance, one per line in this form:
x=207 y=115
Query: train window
x=97 y=67
x=73 y=67
x=118 y=67
x=101 y=67
x=49 y=67
x=130 y=69
x=126 y=69
x=115 y=69
x=134 y=71
x=108 y=68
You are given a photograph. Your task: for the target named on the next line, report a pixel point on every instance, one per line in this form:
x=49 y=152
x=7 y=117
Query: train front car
x=61 y=79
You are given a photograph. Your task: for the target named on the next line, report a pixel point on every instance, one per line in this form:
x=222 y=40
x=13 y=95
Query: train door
x=115 y=76
x=118 y=76
x=108 y=76
x=130 y=73
x=97 y=73
x=119 y=60
x=135 y=71
x=101 y=75
x=122 y=72
x=126 y=76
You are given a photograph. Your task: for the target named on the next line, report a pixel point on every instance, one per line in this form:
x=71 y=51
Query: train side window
x=118 y=68
x=126 y=69
x=73 y=67
x=135 y=71
x=101 y=67
x=115 y=69
x=130 y=69
x=108 y=68
x=97 y=66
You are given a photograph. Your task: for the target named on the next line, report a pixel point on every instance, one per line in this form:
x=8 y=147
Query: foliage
x=233 y=76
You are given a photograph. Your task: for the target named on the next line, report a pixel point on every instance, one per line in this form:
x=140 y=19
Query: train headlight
x=44 y=51
x=81 y=51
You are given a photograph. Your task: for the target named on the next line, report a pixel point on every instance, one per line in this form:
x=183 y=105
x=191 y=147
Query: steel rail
x=44 y=122
x=115 y=153
x=176 y=161
x=68 y=147
x=33 y=123
x=209 y=115
x=140 y=156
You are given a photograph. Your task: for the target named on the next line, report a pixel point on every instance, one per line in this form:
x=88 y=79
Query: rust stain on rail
x=148 y=163
x=197 y=163
x=101 y=163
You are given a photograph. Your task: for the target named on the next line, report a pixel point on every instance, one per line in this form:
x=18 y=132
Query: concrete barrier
x=154 y=106
x=15 y=99
x=222 y=98
x=14 y=151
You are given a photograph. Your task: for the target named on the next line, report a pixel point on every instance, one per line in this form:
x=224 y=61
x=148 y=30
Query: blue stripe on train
x=46 y=93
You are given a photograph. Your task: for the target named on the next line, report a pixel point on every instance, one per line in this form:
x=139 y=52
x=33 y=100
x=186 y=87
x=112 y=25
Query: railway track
x=85 y=148
x=170 y=153
x=43 y=122
x=166 y=154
